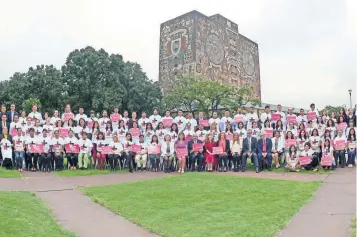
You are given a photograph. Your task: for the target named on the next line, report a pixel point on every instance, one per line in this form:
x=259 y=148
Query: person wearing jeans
x=351 y=139
x=340 y=145
x=19 y=146
x=154 y=157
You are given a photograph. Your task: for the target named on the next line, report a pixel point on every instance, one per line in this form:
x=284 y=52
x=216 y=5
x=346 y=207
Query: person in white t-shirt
x=55 y=118
x=31 y=156
x=351 y=140
x=214 y=119
x=251 y=117
x=161 y=132
x=67 y=115
x=266 y=115
x=34 y=114
x=85 y=151
x=46 y=157
x=155 y=118
x=71 y=140
x=224 y=120
x=192 y=121
x=116 y=156
x=103 y=120
x=80 y=115
x=115 y=122
x=6 y=148
x=19 y=148
x=340 y=150
x=143 y=121
x=302 y=118
x=57 y=144
x=180 y=120
x=126 y=118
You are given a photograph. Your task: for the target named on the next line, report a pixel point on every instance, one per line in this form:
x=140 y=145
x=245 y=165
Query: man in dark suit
x=2 y=110
x=4 y=123
x=11 y=113
x=195 y=155
x=250 y=150
x=264 y=147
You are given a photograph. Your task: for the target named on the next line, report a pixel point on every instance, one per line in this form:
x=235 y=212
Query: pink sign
x=340 y=144
x=311 y=115
x=135 y=148
x=229 y=137
x=36 y=148
x=289 y=142
x=107 y=150
x=90 y=124
x=167 y=122
x=181 y=152
x=68 y=116
x=188 y=138
x=275 y=117
x=291 y=118
x=204 y=123
x=72 y=148
x=342 y=126
x=238 y=118
x=115 y=117
x=305 y=160
x=217 y=150
x=13 y=132
x=135 y=132
x=63 y=132
x=326 y=161
x=154 y=150
x=269 y=132
x=197 y=147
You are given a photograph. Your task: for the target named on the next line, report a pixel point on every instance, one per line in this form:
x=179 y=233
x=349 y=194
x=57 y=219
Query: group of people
x=304 y=141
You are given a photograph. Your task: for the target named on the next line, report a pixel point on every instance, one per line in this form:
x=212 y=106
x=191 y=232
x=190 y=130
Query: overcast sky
x=307 y=48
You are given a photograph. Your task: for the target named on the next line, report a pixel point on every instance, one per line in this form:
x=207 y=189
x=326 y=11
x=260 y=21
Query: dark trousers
x=237 y=161
x=340 y=156
x=114 y=159
x=351 y=157
x=57 y=161
x=314 y=162
x=154 y=160
x=254 y=158
x=267 y=159
x=193 y=158
x=222 y=161
x=167 y=162
x=31 y=160
x=129 y=159
x=72 y=159
x=46 y=161
x=7 y=163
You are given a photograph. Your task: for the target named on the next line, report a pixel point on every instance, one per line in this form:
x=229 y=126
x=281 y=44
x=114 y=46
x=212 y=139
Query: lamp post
x=350 y=92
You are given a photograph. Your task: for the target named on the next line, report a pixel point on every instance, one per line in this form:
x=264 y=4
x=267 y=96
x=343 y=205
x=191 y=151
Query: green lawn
x=203 y=204
x=70 y=173
x=22 y=214
x=9 y=173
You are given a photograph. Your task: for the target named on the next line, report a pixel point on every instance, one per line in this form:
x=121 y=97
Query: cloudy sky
x=307 y=47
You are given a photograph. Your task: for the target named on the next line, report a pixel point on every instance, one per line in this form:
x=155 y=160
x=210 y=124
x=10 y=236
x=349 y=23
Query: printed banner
x=36 y=148
x=197 y=147
x=291 y=119
x=72 y=148
x=135 y=132
x=154 y=149
x=311 y=115
x=204 y=123
x=305 y=160
x=135 y=148
x=115 y=118
x=63 y=132
x=217 y=150
x=275 y=117
x=238 y=118
x=167 y=122
x=68 y=116
x=289 y=142
x=326 y=161
x=107 y=150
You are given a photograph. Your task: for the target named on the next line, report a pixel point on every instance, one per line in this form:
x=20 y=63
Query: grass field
x=195 y=205
x=22 y=214
x=9 y=173
x=70 y=173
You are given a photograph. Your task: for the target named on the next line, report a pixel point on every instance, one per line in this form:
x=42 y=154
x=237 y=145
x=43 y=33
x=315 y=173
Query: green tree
x=27 y=104
x=335 y=109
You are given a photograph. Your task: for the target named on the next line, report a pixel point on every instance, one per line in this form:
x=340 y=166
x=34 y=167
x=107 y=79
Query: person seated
x=314 y=160
x=327 y=150
x=181 y=145
x=31 y=155
x=264 y=148
x=236 y=151
x=99 y=157
x=195 y=156
x=292 y=161
x=340 y=150
x=85 y=147
x=167 y=152
x=141 y=157
x=19 y=148
x=223 y=158
x=45 y=159
x=127 y=154
x=116 y=156
x=209 y=156
x=250 y=150
x=277 y=149
x=6 y=148
x=154 y=157
x=57 y=144
x=72 y=157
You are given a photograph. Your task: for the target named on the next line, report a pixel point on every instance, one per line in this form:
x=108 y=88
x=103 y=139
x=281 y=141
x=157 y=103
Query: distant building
x=208 y=46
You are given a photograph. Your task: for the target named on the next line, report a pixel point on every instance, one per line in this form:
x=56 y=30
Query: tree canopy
x=92 y=79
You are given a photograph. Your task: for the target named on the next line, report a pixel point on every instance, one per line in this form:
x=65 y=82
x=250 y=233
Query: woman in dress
x=181 y=156
x=154 y=157
x=209 y=156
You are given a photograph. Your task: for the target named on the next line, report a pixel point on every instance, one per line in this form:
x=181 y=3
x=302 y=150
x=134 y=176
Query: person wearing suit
x=264 y=148
x=250 y=150
x=4 y=123
x=132 y=120
x=223 y=158
x=195 y=155
x=11 y=113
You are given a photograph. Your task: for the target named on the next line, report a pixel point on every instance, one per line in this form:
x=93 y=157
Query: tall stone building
x=208 y=46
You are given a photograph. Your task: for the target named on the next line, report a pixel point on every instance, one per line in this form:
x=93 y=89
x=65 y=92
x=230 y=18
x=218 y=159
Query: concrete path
x=331 y=210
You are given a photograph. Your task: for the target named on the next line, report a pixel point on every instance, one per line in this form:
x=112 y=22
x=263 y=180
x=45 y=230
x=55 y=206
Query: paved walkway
x=328 y=214
x=331 y=210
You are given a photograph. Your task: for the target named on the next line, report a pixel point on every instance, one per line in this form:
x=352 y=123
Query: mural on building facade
x=207 y=46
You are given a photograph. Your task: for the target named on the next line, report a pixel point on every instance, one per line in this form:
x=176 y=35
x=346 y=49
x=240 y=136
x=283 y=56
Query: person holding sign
x=154 y=153
x=236 y=151
x=116 y=156
x=6 y=148
x=81 y=115
x=57 y=144
x=301 y=140
x=209 y=155
x=85 y=146
x=277 y=149
x=14 y=125
x=122 y=130
x=72 y=157
x=167 y=152
x=99 y=157
x=45 y=158
x=141 y=157
x=181 y=152
x=313 y=159
x=31 y=155
x=264 y=148
x=351 y=140
x=340 y=144
x=292 y=161
x=327 y=152
x=155 y=118
x=19 y=148
x=127 y=154
x=55 y=118
x=223 y=157
x=167 y=120
x=34 y=114
x=67 y=115
x=201 y=133
x=195 y=149
x=115 y=117
x=241 y=130
x=342 y=125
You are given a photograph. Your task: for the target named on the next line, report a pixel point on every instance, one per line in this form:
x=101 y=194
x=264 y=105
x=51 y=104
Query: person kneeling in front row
x=292 y=161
